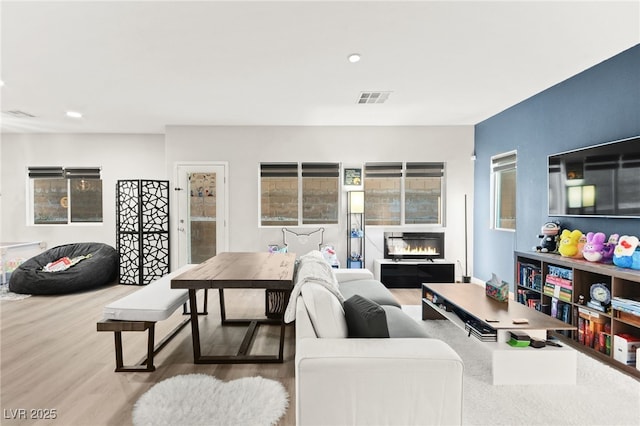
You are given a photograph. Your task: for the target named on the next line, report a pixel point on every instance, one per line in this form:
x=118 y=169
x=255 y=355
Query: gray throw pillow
x=365 y=318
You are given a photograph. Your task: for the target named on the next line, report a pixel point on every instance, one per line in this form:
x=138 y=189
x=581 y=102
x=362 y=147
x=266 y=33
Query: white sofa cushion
x=325 y=311
x=344 y=274
x=371 y=289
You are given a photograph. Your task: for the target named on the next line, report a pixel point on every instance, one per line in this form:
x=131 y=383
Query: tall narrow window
x=383 y=186
x=423 y=189
x=320 y=191
x=503 y=177
x=60 y=196
x=279 y=194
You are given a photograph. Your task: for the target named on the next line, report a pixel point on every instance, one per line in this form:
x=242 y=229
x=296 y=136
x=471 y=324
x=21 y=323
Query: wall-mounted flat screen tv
x=601 y=180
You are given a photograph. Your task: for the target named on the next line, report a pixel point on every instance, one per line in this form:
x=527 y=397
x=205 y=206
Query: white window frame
x=300 y=221
x=403 y=174
x=67 y=173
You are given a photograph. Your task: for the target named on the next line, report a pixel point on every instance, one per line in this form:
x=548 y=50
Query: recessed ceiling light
x=354 y=57
x=74 y=114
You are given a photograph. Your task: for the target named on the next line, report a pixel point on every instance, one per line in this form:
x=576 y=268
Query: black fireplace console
x=412 y=273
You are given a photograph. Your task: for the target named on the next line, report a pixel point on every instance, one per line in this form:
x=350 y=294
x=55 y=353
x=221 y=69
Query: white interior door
x=201 y=195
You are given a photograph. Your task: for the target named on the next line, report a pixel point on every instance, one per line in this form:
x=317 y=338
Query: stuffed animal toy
x=609 y=247
x=549 y=242
x=624 y=251
x=596 y=249
x=593 y=250
x=569 y=240
x=635 y=259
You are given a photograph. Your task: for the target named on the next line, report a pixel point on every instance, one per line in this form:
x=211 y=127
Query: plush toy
x=569 y=240
x=593 y=250
x=329 y=254
x=596 y=249
x=549 y=242
x=609 y=247
x=635 y=259
x=624 y=251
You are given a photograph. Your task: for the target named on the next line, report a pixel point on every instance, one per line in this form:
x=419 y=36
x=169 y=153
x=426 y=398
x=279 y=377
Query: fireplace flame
x=408 y=249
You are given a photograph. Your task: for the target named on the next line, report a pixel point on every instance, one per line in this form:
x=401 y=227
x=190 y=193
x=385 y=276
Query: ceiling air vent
x=373 y=97
x=19 y=114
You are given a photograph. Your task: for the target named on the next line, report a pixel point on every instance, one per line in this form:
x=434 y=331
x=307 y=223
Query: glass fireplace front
x=414 y=245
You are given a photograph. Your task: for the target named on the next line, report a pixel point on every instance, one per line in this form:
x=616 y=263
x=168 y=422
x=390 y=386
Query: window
x=423 y=193
x=60 y=196
x=292 y=194
x=503 y=180
x=382 y=193
x=320 y=189
x=398 y=193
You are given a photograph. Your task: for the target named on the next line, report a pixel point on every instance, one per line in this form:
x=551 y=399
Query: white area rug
x=200 y=399
x=5 y=294
x=602 y=395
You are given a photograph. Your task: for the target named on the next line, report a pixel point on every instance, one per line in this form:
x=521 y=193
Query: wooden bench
x=140 y=310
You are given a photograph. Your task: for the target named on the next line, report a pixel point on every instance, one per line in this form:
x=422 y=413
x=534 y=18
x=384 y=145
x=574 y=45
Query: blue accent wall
x=599 y=105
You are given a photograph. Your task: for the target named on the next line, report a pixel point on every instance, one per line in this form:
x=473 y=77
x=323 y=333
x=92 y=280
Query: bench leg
x=150 y=348
x=118 y=340
x=147 y=361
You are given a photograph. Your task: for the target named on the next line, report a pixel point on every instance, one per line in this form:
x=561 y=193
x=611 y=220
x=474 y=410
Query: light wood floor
x=52 y=357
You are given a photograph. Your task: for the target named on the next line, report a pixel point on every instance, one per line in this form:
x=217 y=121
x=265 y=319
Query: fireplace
x=414 y=245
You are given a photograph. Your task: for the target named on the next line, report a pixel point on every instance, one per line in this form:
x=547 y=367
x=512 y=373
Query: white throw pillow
x=325 y=311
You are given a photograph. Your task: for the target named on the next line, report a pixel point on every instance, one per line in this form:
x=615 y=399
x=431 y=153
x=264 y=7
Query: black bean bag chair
x=100 y=268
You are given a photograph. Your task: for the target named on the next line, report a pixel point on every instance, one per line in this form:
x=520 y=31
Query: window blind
x=382 y=170
x=42 y=172
x=320 y=170
x=279 y=169
x=503 y=162
x=425 y=169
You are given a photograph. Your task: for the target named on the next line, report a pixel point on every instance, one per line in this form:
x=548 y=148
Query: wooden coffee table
x=511 y=365
x=269 y=271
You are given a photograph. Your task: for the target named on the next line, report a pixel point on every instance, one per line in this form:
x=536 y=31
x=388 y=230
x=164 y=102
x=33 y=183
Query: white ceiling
x=135 y=67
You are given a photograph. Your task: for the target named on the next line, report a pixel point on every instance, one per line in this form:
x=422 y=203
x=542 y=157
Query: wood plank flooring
x=52 y=357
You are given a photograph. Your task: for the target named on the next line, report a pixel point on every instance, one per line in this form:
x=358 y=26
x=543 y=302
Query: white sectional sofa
x=406 y=379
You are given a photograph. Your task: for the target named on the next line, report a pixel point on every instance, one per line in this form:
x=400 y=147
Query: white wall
x=245 y=147
x=154 y=156
x=120 y=156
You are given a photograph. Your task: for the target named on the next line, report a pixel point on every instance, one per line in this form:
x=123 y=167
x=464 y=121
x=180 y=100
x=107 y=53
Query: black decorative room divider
x=142 y=230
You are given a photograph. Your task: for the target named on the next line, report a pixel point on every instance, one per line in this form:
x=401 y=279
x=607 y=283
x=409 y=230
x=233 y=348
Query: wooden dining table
x=238 y=270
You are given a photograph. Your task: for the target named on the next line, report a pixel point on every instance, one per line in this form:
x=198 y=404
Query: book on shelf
x=525 y=296
x=534 y=304
x=559 y=281
x=561 y=310
x=594 y=331
x=581 y=328
x=530 y=276
x=561 y=272
x=558 y=292
x=626 y=305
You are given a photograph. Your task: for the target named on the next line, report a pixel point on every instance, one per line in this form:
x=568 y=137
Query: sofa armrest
x=377 y=381
x=345 y=274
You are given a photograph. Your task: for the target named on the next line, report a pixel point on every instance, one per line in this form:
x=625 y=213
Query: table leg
x=223 y=311
x=195 y=329
x=242 y=356
x=282 y=335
